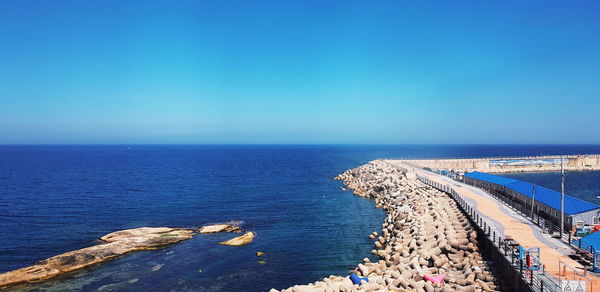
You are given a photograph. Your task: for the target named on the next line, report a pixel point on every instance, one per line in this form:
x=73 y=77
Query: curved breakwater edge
x=424 y=234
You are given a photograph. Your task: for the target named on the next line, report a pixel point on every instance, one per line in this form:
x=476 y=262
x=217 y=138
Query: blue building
x=546 y=201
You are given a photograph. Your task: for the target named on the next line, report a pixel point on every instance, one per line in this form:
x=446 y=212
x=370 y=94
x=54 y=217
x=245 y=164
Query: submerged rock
x=116 y=244
x=157 y=267
x=240 y=240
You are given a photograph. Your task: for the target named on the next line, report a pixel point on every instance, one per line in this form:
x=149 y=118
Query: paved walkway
x=506 y=221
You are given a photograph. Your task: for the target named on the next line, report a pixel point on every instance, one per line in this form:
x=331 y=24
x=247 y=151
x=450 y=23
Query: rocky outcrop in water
x=115 y=244
x=424 y=235
x=219 y=228
x=240 y=240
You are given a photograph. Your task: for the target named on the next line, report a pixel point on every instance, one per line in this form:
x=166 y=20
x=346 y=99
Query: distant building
x=547 y=202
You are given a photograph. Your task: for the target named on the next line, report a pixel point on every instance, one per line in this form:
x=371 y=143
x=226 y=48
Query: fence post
x=520 y=266
x=531 y=277
x=512 y=258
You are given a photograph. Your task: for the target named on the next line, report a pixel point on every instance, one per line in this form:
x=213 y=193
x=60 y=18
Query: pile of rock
x=424 y=234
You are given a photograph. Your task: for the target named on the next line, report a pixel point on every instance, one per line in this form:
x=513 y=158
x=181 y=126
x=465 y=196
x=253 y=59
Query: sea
x=58 y=198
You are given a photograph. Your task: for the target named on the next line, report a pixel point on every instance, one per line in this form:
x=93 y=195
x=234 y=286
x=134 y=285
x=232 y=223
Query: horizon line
x=300 y=144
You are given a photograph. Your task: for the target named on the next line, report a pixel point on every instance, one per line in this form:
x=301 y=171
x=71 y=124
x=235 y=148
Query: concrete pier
x=587 y=162
x=503 y=222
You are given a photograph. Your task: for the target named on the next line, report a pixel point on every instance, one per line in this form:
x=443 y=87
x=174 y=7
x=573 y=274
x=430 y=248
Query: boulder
x=219 y=228
x=240 y=240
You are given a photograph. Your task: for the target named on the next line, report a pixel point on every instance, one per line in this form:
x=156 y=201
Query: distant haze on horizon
x=261 y=72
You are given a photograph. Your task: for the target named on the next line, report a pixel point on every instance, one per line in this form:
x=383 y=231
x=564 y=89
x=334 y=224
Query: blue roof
x=499 y=180
x=543 y=195
x=552 y=198
x=589 y=240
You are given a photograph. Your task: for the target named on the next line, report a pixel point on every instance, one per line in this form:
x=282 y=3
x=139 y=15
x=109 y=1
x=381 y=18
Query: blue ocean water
x=54 y=199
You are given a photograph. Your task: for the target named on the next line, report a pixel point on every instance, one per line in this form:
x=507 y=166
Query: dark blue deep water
x=54 y=199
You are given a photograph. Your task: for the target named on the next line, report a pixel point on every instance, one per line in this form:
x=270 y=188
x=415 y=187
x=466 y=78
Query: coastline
x=424 y=235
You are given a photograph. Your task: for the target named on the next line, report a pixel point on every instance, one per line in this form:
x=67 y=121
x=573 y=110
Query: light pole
x=532 y=200
x=562 y=197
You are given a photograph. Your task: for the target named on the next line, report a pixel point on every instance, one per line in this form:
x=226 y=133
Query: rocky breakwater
x=425 y=238
x=113 y=245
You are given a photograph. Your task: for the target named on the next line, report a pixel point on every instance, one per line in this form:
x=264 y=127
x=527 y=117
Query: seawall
x=548 y=163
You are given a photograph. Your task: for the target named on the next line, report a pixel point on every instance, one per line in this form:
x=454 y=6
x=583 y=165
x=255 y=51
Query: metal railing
x=525 y=210
x=534 y=280
x=546 y=225
x=586 y=250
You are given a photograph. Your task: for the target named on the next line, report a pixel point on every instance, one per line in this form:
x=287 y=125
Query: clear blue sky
x=299 y=72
